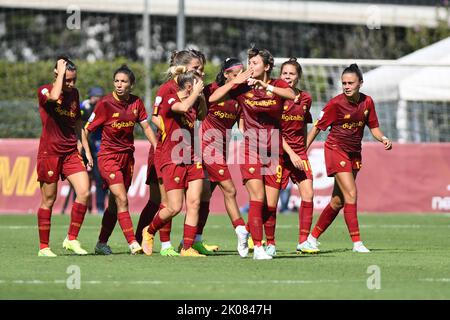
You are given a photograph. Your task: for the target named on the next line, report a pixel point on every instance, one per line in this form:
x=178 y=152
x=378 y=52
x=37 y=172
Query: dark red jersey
x=177 y=133
x=169 y=87
x=118 y=119
x=58 y=122
x=296 y=116
x=347 y=121
x=261 y=111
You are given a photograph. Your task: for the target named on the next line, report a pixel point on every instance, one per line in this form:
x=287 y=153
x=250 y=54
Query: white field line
x=435 y=280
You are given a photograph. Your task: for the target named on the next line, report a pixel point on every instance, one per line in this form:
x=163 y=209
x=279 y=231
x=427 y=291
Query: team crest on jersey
x=221 y=172
x=115 y=115
x=251 y=170
x=347 y=116
x=342 y=163
x=249 y=95
x=177 y=179
x=112 y=176
x=50 y=173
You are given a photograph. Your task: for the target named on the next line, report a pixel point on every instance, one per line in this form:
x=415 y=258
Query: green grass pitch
x=411 y=252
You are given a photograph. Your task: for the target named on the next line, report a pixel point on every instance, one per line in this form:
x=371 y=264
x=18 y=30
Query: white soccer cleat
x=313 y=241
x=260 y=254
x=242 y=235
x=359 y=247
x=135 y=248
x=271 y=250
x=307 y=247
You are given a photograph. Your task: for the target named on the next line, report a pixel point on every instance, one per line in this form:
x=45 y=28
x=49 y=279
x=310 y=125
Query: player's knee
x=193 y=204
x=122 y=201
x=83 y=196
x=229 y=192
x=336 y=203
x=48 y=202
x=173 y=208
x=307 y=196
x=351 y=196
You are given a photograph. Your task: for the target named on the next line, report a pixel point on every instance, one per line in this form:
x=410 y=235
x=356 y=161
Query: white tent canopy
x=413 y=83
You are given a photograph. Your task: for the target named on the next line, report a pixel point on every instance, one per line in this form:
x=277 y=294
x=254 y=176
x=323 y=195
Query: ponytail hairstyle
x=293 y=62
x=227 y=65
x=183 y=58
x=353 y=68
x=70 y=66
x=186 y=77
x=125 y=70
x=266 y=56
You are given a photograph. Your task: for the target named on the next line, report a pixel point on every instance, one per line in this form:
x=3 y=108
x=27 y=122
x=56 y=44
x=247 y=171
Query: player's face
x=122 y=84
x=290 y=75
x=196 y=65
x=257 y=65
x=230 y=75
x=350 y=84
x=70 y=79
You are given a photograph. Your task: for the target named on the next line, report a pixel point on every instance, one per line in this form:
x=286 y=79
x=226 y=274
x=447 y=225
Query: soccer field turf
x=411 y=251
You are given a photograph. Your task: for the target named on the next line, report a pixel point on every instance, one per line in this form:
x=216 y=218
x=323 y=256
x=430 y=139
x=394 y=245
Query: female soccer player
x=216 y=134
x=182 y=174
x=59 y=154
x=347 y=114
x=295 y=119
x=118 y=113
x=261 y=99
x=193 y=60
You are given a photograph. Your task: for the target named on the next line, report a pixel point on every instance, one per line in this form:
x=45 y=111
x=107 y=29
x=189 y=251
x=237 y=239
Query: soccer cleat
x=359 y=247
x=169 y=252
x=260 y=254
x=74 y=246
x=243 y=236
x=313 y=241
x=251 y=245
x=102 y=249
x=46 y=252
x=191 y=252
x=147 y=242
x=210 y=247
x=135 y=248
x=201 y=248
x=271 y=250
x=306 y=247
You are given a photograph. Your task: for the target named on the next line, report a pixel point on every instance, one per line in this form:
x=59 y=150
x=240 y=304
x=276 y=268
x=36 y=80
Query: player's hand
x=243 y=76
x=198 y=86
x=61 y=66
x=296 y=161
x=387 y=144
x=90 y=161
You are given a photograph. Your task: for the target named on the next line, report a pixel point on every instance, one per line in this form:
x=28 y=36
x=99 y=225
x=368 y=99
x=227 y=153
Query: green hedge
x=18 y=101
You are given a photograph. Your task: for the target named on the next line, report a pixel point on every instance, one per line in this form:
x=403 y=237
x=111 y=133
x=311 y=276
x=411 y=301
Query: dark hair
x=293 y=62
x=227 y=64
x=264 y=54
x=353 y=68
x=70 y=66
x=125 y=70
x=187 y=77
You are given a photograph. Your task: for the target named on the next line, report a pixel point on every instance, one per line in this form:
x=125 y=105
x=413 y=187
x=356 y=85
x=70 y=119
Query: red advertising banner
x=411 y=178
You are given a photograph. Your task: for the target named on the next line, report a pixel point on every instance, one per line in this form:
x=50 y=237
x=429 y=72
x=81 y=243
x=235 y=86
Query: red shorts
x=270 y=176
x=217 y=172
x=116 y=168
x=176 y=176
x=337 y=160
x=50 y=168
x=296 y=175
x=152 y=176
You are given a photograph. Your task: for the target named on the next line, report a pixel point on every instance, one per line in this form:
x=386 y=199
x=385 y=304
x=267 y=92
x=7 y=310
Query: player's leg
x=80 y=182
x=270 y=218
x=109 y=220
x=150 y=209
x=48 y=197
x=305 y=216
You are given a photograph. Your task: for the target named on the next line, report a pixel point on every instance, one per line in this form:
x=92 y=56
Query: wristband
x=270 y=88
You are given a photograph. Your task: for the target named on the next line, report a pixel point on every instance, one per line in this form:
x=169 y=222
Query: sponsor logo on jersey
x=260 y=103
x=351 y=125
x=225 y=115
x=122 y=124
x=63 y=112
x=298 y=117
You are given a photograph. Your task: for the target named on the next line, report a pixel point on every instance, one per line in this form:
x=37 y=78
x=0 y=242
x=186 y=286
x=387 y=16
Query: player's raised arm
x=220 y=93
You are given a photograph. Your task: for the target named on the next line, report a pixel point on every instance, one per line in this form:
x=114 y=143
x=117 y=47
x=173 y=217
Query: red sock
x=189 y=236
x=127 y=226
x=76 y=219
x=164 y=232
x=156 y=224
x=238 y=222
x=202 y=216
x=145 y=218
x=326 y=218
x=44 y=222
x=255 y=221
x=305 y=215
x=108 y=223
x=270 y=221
x=351 y=219
x=247 y=227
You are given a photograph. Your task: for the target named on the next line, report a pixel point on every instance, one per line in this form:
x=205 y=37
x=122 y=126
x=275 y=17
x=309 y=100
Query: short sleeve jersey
x=58 y=122
x=118 y=119
x=296 y=116
x=347 y=121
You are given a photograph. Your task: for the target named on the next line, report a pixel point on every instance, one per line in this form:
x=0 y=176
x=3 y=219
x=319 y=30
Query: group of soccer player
x=272 y=114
